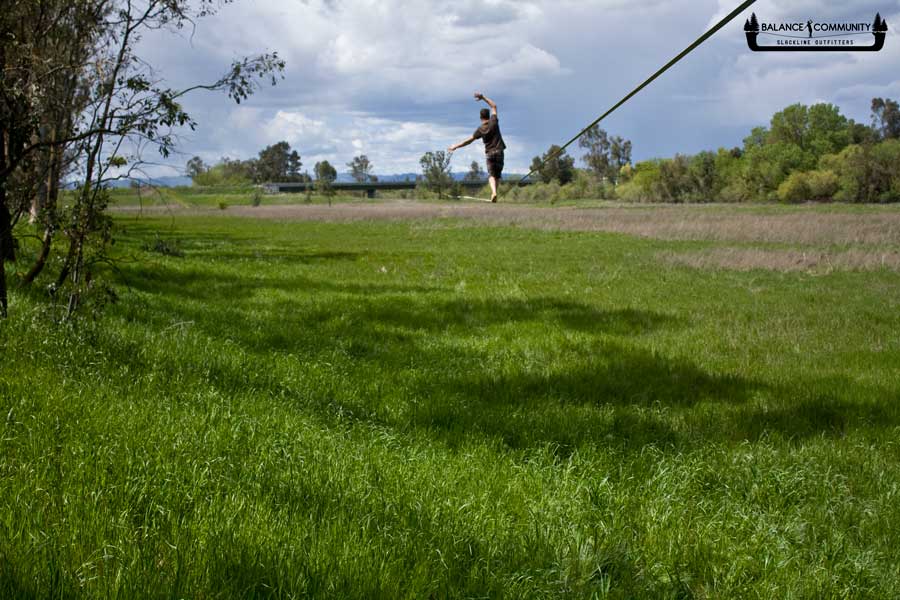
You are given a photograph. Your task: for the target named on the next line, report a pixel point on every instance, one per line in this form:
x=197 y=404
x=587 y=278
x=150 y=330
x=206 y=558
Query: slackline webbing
x=727 y=19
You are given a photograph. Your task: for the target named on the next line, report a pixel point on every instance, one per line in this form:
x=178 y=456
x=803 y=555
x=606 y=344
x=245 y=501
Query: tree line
x=275 y=163
x=280 y=163
x=79 y=104
x=806 y=153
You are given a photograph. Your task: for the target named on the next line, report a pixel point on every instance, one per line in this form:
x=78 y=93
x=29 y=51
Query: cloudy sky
x=393 y=79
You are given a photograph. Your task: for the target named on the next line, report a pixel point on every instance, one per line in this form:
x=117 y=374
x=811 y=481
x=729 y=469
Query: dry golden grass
x=817 y=261
x=803 y=225
x=667 y=222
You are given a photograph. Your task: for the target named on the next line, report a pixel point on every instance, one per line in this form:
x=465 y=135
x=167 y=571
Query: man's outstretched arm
x=491 y=103
x=465 y=142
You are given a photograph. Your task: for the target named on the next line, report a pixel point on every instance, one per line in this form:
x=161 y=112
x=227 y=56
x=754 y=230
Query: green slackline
x=668 y=65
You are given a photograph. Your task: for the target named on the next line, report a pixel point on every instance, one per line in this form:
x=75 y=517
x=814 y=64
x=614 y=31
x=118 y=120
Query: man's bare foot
x=494 y=198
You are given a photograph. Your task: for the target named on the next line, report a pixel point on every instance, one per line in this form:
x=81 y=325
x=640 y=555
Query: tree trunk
x=7 y=250
x=49 y=215
x=40 y=261
x=4 y=303
x=44 y=164
x=67 y=266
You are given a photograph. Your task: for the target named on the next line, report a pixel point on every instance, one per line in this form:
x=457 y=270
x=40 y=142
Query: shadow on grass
x=634 y=399
x=202 y=285
x=481 y=312
x=617 y=394
x=231 y=246
x=413 y=359
x=23 y=587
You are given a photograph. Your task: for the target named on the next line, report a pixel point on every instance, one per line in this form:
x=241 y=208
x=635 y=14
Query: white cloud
x=294 y=127
x=394 y=79
x=528 y=63
x=760 y=84
x=393 y=145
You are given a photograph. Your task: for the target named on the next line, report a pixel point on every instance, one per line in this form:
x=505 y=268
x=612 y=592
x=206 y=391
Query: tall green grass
x=423 y=409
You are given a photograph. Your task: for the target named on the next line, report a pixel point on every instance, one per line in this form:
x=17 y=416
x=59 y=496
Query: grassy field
x=222 y=198
x=479 y=402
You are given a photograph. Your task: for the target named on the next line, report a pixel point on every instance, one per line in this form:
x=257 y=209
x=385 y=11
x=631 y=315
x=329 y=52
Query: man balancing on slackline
x=489 y=132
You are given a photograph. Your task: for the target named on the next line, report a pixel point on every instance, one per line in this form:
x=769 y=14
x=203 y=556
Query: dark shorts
x=495 y=164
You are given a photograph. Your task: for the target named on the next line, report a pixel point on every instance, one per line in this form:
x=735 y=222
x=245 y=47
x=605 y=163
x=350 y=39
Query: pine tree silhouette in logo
x=752 y=25
x=751 y=30
x=880 y=25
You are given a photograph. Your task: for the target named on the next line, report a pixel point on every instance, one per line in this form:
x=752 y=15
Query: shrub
x=231 y=173
x=822 y=184
x=734 y=191
x=542 y=192
x=645 y=181
x=801 y=186
x=630 y=192
x=223 y=205
x=674 y=183
x=886 y=171
x=794 y=188
x=866 y=173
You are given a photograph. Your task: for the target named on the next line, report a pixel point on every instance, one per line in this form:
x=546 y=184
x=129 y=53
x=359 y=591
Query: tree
x=605 y=156
x=325 y=172
x=196 y=167
x=827 y=130
x=293 y=167
x=757 y=137
x=476 y=173
x=619 y=156
x=554 y=165
x=817 y=130
x=797 y=139
x=867 y=172
x=596 y=142
x=361 y=169
x=702 y=172
x=789 y=125
x=325 y=176
x=273 y=163
x=886 y=118
x=73 y=86
x=860 y=133
x=766 y=167
x=730 y=185
x=236 y=171
x=43 y=44
x=436 y=171
x=674 y=183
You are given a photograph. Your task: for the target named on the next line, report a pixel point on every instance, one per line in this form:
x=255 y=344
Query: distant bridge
x=369 y=187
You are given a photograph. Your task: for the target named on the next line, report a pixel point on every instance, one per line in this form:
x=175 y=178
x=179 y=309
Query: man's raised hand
x=479 y=96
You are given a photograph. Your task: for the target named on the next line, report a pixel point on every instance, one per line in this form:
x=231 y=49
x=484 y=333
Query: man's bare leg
x=493 y=182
